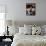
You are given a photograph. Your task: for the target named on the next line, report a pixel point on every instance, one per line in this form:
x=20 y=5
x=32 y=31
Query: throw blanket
x=29 y=40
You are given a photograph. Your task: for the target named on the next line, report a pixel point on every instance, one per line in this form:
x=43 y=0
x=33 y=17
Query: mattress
x=28 y=40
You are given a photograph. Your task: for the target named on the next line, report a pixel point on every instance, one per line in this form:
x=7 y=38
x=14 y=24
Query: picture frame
x=30 y=9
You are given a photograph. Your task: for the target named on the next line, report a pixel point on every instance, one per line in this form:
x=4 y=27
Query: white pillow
x=21 y=30
x=28 y=31
x=24 y=30
x=13 y=30
x=28 y=26
x=44 y=27
x=42 y=30
x=36 y=30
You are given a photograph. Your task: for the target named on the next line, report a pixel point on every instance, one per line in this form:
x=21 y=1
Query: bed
x=21 y=39
x=29 y=40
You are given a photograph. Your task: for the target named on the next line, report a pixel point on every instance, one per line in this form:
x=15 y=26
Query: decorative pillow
x=33 y=30
x=36 y=30
x=23 y=30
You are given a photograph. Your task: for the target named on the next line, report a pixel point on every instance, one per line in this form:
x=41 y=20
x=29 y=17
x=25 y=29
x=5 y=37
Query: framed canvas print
x=30 y=9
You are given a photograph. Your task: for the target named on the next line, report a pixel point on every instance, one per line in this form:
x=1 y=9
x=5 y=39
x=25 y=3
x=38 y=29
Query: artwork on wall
x=30 y=9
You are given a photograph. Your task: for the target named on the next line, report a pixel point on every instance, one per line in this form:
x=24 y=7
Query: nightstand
x=6 y=40
x=7 y=43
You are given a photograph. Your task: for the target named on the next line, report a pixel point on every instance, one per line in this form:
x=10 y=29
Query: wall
x=16 y=10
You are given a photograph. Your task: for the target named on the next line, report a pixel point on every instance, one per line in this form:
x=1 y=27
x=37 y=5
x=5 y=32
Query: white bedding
x=29 y=40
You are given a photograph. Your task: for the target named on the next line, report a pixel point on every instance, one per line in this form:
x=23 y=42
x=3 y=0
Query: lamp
x=8 y=23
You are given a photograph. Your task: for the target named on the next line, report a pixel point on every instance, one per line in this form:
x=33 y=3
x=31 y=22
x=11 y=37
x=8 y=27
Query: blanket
x=29 y=40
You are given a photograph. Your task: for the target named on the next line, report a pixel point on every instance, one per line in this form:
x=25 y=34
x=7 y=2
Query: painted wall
x=16 y=10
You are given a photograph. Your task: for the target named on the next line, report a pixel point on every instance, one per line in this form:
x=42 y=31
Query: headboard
x=21 y=23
